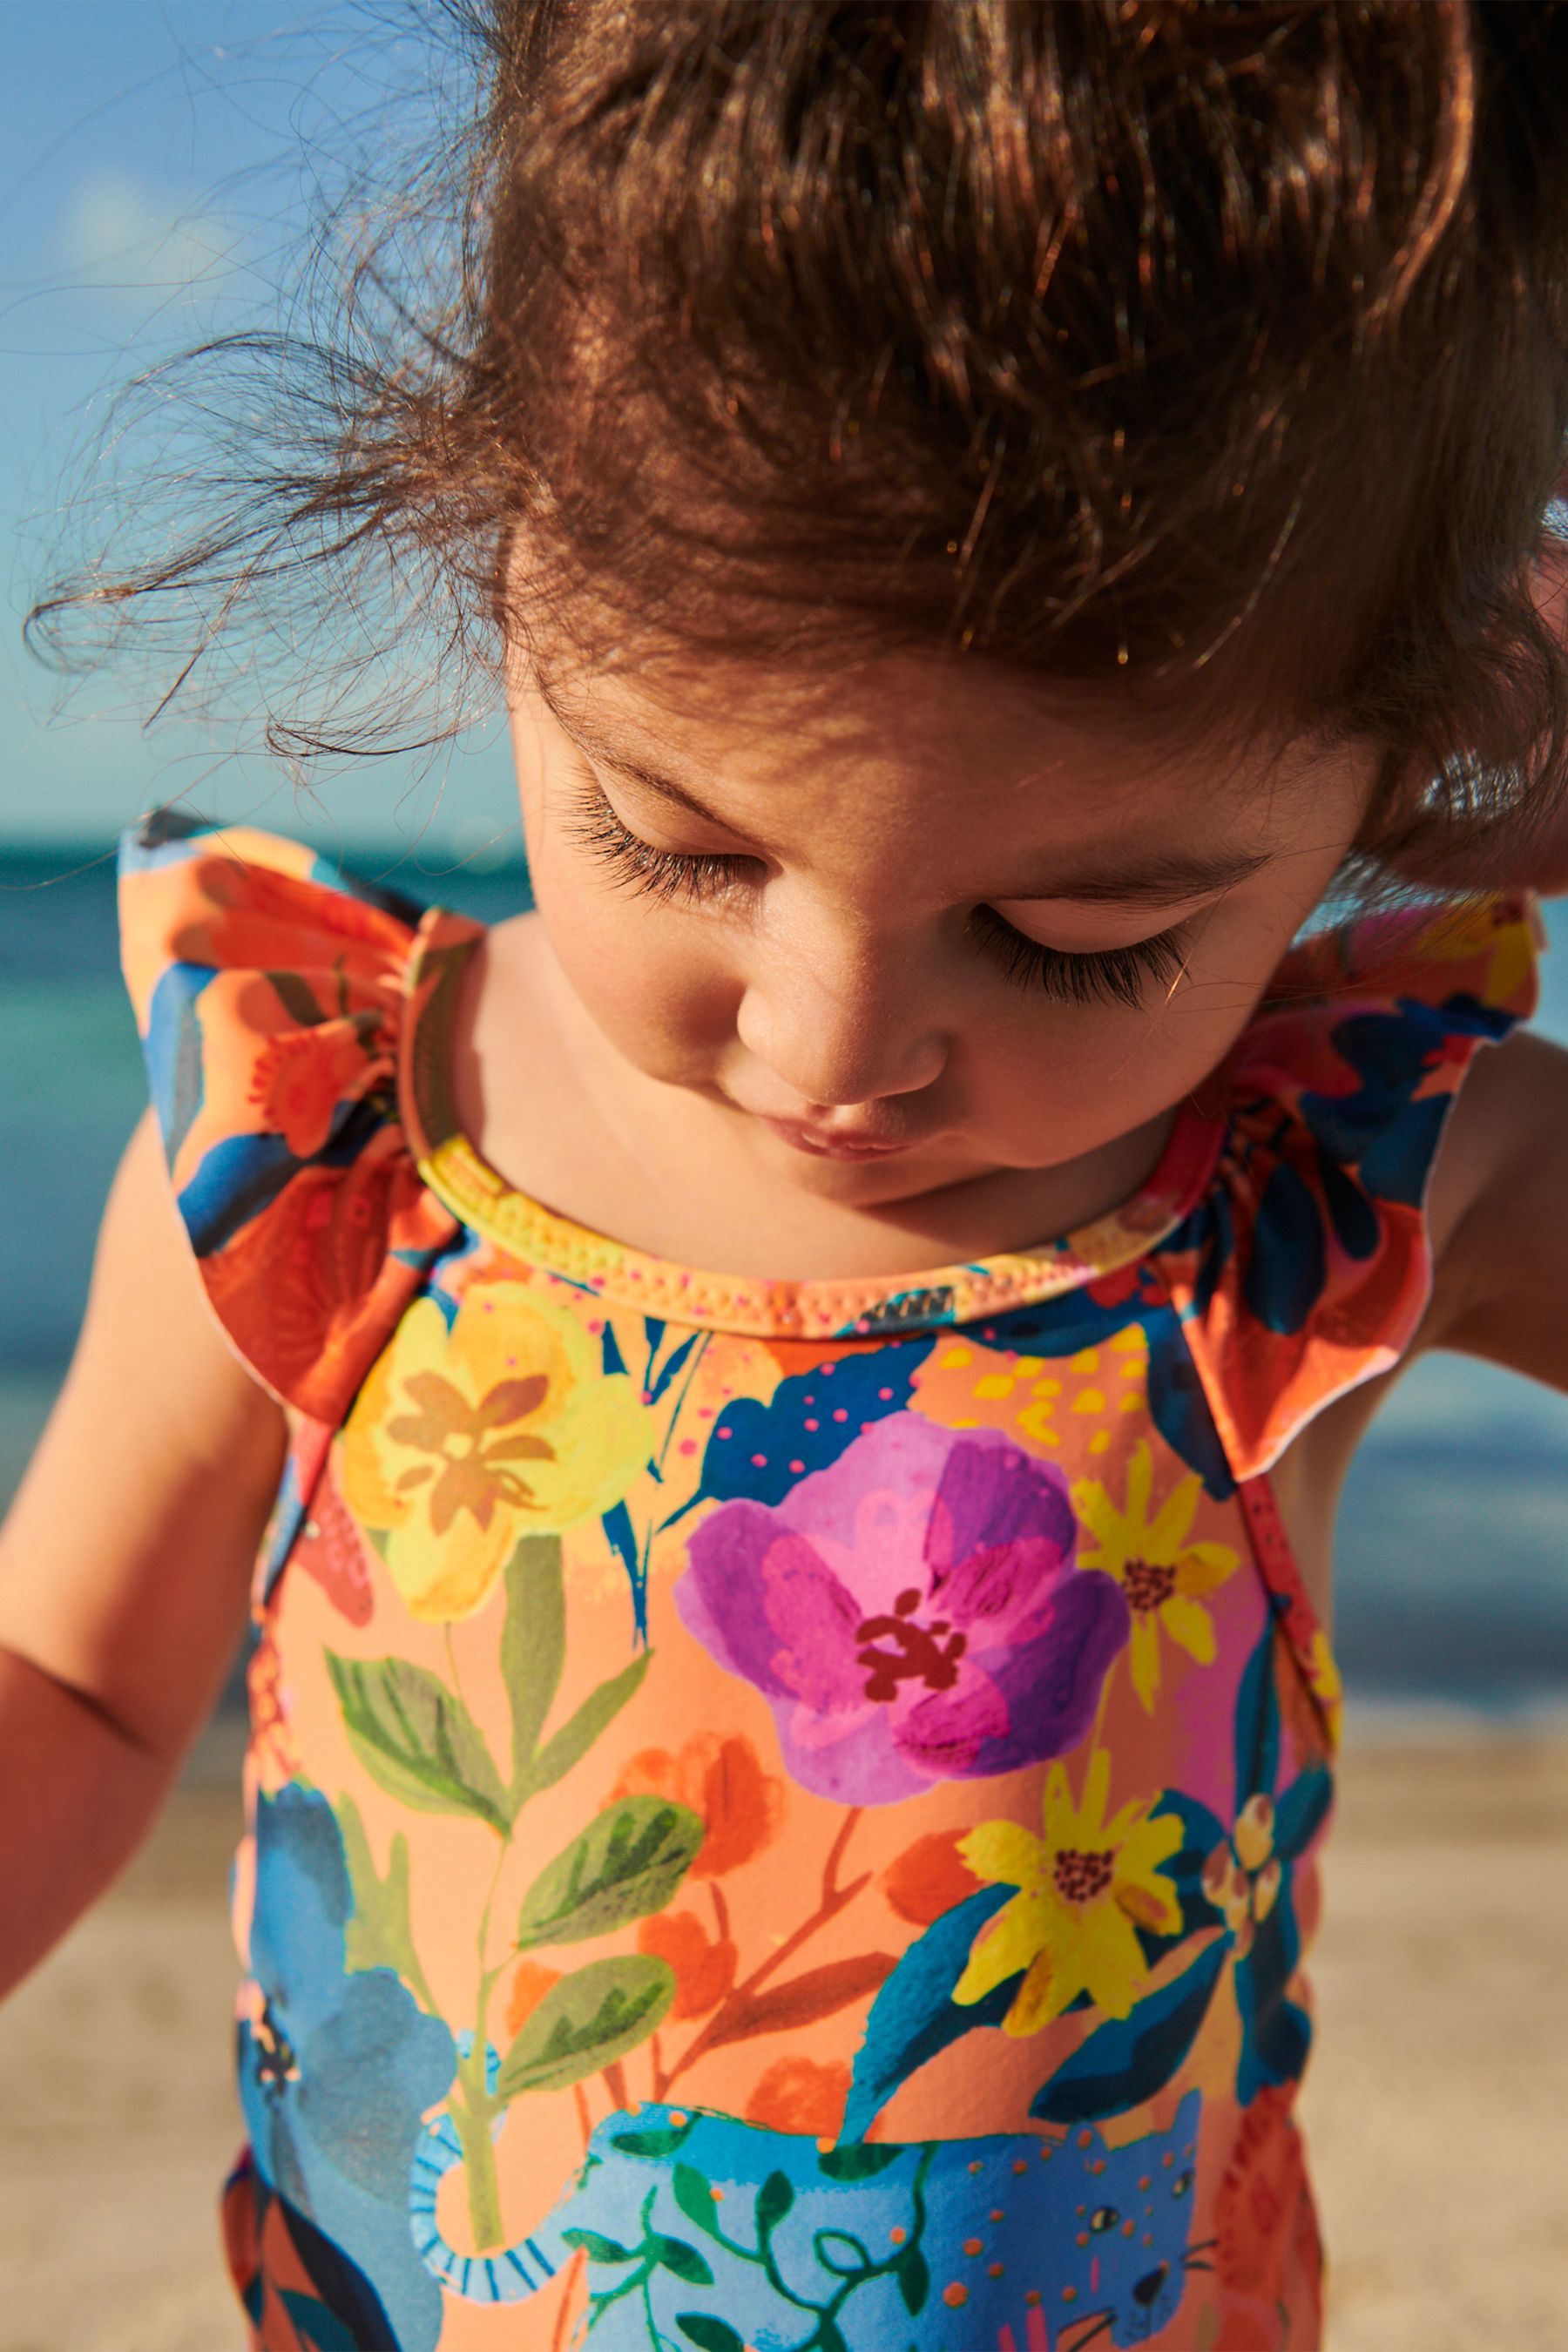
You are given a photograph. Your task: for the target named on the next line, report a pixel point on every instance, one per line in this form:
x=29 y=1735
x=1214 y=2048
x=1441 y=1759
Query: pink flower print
x=911 y=1613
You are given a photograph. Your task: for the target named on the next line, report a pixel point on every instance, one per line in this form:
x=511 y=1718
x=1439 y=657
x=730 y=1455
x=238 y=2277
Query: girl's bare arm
x=1500 y=1214
x=124 y=1566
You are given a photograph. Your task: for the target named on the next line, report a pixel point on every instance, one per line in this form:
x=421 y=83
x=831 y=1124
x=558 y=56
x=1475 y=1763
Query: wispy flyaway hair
x=1211 y=349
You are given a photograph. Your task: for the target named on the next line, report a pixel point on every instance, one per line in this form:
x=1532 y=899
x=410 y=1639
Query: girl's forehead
x=966 y=760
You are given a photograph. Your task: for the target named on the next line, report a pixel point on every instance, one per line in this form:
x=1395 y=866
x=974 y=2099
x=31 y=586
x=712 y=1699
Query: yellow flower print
x=1508 y=940
x=1161 y=1572
x=1084 y=1889
x=463 y=1441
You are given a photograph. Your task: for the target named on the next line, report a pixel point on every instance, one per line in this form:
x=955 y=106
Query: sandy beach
x=1439 y=2100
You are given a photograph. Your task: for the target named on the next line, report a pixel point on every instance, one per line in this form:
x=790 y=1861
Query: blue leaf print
x=173 y=1051
x=1179 y=1408
x=1256 y=1724
x=670 y=1368
x=442 y=1259
x=1201 y=1831
x=243 y=1174
x=1354 y=1220
x=914 y=2015
x=1395 y=1166
x=1381 y=1129
x=617 y=1526
x=760 y=1451
x=1217 y=1248
x=1130 y=2058
x=1301 y=1811
x=288 y=1513
x=1062 y=1325
x=1276 y=2035
x=1287 y=1265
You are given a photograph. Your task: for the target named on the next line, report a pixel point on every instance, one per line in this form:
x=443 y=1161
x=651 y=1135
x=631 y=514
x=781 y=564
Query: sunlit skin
x=721 y=1059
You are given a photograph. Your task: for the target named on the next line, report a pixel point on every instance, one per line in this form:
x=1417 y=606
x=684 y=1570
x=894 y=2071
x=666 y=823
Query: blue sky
x=155 y=152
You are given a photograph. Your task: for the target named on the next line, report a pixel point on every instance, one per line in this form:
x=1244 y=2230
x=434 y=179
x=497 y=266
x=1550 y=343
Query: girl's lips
x=825 y=1145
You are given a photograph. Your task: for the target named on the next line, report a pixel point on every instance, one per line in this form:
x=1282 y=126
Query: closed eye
x=1120 y=975
x=677 y=876
x=1087 y=976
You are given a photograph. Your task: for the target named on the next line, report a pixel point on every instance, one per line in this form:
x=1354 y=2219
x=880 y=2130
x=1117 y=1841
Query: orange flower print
x=298 y=1287
x=722 y=1782
x=929 y=1878
x=800 y=2095
x=1260 y=2198
x=704 y=1968
x=298 y=1080
x=274 y=1758
x=529 y=1984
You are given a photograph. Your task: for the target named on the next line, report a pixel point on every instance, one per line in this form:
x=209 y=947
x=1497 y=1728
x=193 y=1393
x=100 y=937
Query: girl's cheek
x=654 y=987
x=1082 y=1077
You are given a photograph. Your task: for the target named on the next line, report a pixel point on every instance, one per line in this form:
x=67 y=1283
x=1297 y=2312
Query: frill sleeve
x=1306 y=1268
x=269 y=994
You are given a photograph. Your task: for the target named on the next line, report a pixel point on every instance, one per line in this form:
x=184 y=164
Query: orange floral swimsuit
x=780 y=1814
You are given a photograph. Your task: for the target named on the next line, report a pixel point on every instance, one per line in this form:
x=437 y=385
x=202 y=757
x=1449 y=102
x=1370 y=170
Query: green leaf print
x=696 y=2198
x=534 y=1651
x=710 y=2335
x=578 y=1733
x=533 y=1645
x=599 y=2249
x=587 y=2022
x=377 y=1934
x=841 y=2253
x=775 y=2200
x=674 y=2255
x=417 y=1739
x=298 y=999
x=914 y=2279
x=861 y=2160
x=661 y=2141
x=627 y=1862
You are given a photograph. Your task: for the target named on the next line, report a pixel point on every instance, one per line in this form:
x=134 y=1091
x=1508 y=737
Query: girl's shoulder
x=1306 y=1265
x=273 y=995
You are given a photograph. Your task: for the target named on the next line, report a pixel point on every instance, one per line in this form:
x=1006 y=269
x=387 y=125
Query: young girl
x=797 y=1393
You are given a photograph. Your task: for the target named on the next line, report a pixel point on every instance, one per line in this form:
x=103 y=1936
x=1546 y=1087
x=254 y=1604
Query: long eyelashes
x=1105 y=976
x=638 y=866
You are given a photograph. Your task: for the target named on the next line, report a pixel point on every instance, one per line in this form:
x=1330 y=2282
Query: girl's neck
x=562 y=1117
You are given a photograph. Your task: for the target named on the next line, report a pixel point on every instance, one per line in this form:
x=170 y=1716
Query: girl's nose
x=840 y=1029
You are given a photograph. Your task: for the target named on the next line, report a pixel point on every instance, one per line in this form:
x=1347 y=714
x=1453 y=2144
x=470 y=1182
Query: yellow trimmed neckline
x=815 y=1308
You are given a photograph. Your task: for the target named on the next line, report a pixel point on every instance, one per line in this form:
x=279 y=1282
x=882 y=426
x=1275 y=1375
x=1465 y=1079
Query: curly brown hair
x=1214 y=346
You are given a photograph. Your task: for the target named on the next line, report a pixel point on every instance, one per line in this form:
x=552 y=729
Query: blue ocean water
x=1454 y=1530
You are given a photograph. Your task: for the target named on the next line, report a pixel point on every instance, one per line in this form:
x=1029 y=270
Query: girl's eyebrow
x=1153 y=878
x=653 y=779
